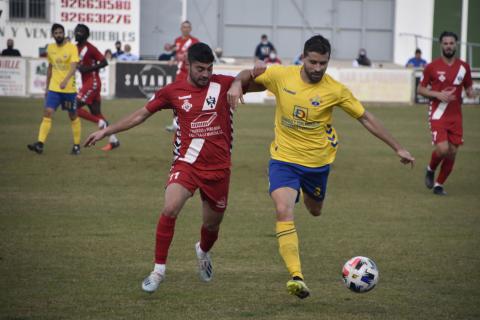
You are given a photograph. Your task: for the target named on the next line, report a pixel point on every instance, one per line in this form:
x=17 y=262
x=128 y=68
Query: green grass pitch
x=77 y=233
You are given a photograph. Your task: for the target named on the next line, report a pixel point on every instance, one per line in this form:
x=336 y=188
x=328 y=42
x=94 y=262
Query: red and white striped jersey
x=90 y=56
x=205 y=134
x=181 y=48
x=441 y=76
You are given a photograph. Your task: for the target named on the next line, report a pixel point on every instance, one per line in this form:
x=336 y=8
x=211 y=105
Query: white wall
x=413 y=16
x=106 y=26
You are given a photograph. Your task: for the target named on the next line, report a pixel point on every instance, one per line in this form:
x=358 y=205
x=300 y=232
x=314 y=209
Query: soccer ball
x=360 y=274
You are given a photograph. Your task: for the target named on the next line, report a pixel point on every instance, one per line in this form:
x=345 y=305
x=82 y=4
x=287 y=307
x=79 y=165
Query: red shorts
x=89 y=94
x=213 y=184
x=447 y=130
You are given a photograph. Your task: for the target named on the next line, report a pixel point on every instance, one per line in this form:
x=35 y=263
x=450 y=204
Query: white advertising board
x=108 y=20
x=12 y=77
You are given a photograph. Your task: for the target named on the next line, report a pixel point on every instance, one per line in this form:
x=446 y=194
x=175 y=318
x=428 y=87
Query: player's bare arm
x=245 y=79
x=71 y=72
x=130 y=121
x=98 y=66
x=375 y=127
x=49 y=76
x=444 y=95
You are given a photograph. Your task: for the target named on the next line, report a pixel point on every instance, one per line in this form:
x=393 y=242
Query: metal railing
x=469 y=45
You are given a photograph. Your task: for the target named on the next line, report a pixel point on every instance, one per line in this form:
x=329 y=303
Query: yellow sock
x=44 y=130
x=76 y=130
x=288 y=247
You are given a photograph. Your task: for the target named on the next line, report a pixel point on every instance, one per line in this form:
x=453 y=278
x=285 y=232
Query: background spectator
x=264 y=48
x=127 y=55
x=272 y=59
x=118 y=50
x=362 y=59
x=298 y=59
x=10 y=51
x=108 y=54
x=416 y=61
x=168 y=54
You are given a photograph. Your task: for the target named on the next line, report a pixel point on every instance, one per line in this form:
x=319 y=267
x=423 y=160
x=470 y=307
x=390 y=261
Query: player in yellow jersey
x=305 y=141
x=62 y=63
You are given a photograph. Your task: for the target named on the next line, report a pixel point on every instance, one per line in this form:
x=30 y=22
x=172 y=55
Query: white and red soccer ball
x=360 y=274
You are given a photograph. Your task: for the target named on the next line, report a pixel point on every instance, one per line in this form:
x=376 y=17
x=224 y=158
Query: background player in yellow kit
x=305 y=141
x=62 y=63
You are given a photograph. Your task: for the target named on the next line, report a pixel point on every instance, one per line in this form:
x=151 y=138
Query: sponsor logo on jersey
x=289 y=91
x=300 y=112
x=441 y=76
x=185 y=97
x=203 y=120
x=212 y=96
x=315 y=101
x=186 y=105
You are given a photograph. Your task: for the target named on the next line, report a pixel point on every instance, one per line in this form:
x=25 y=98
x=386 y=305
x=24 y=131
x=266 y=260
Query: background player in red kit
x=201 y=160
x=181 y=46
x=91 y=61
x=447 y=76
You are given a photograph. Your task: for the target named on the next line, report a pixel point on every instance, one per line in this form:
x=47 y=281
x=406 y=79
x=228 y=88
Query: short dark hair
x=317 y=44
x=87 y=30
x=418 y=51
x=118 y=42
x=264 y=36
x=448 y=34
x=187 y=22
x=56 y=26
x=200 y=52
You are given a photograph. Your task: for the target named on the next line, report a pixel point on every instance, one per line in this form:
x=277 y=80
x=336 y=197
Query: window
x=28 y=9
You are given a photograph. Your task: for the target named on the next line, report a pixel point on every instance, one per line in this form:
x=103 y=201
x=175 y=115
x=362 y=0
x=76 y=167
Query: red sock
x=165 y=230
x=87 y=115
x=447 y=167
x=207 y=239
x=435 y=161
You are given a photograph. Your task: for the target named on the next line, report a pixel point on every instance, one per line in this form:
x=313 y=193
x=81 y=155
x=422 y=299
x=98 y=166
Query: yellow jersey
x=304 y=133
x=60 y=58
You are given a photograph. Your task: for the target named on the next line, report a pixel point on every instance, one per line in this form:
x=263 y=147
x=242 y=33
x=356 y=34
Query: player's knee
x=170 y=211
x=315 y=211
x=283 y=209
x=442 y=151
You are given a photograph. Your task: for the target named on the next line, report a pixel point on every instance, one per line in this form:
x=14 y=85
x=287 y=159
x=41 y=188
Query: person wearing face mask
x=362 y=59
x=272 y=59
x=10 y=51
x=61 y=90
x=264 y=48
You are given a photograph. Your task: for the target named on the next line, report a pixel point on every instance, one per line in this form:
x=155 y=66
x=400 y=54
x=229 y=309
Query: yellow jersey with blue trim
x=60 y=57
x=304 y=133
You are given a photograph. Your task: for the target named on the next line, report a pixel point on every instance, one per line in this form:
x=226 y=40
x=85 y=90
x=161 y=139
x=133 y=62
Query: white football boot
x=205 y=267
x=150 y=284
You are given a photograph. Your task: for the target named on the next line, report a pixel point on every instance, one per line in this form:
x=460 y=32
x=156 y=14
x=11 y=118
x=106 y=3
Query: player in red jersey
x=91 y=61
x=202 y=148
x=181 y=45
x=446 y=76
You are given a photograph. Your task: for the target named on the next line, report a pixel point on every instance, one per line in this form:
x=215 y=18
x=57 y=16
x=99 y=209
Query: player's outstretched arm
x=244 y=82
x=377 y=129
x=126 y=123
